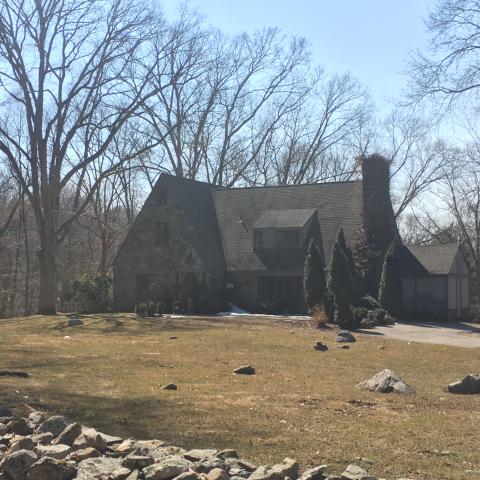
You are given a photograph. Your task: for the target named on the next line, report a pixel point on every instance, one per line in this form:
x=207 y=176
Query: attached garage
x=435 y=282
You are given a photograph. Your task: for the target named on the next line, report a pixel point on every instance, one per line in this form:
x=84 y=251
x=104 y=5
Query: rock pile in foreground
x=40 y=448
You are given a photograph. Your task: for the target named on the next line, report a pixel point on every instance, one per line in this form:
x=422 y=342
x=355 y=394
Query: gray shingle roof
x=290 y=218
x=435 y=259
x=337 y=205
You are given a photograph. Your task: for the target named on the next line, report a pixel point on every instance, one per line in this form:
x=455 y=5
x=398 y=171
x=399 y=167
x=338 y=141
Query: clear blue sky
x=369 y=38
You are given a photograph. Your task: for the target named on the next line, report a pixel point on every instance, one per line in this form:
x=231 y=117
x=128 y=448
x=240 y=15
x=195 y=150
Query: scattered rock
x=17 y=464
x=245 y=370
x=74 y=322
x=50 y=469
x=315 y=473
x=90 y=438
x=354 y=472
x=85 y=453
x=54 y=425
x=97 y=468
x=227 y=453
x=169 y=386
x=137 y=462
x=36 y=418
x=196 y=455
x=386 y=381
x=43 y=438
x=321 y=347
x=23 y=443
x=344 y=336
x=58 y=452
x=173 y=337
x=469 y=385
x=69 y=434
x=217 y=474
x=20 y=426
x=167 y=469
x=343 y=347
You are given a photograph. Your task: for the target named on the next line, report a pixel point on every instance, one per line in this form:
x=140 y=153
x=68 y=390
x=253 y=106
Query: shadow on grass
x=132 y=325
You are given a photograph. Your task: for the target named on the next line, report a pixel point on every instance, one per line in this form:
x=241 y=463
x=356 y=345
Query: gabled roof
x=430 y=259
x=289 y=218
x=336 y=205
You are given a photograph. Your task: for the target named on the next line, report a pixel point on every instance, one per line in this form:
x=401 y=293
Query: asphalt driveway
x=445 y=333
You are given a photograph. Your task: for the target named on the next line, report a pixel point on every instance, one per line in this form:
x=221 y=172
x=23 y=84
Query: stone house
x=192 y=236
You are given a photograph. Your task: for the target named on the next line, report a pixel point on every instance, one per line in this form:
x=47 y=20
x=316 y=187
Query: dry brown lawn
x=301 y=403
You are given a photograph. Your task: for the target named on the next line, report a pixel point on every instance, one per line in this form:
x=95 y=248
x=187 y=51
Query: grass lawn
x=302 y=403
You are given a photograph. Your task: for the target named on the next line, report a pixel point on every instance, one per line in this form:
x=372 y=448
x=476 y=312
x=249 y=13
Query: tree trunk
x=47 y=293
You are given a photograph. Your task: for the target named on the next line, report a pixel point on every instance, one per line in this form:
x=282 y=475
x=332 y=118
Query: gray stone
x=344 y=336
x=217 y=474
x=135 y=475
x=20 y=427
x=315 y=473
x=469 y=385
x=227 y=453
x=58 y=452
x=74 y=322
x=89 y=452
x=43 y=438
x=55 y=425
x=137 y=462
x=36 y=418
x=167 y=469
x=196 y=455
x=23 y=443
x=120 y=473
x=69 y=434
x=51 y=469
x=386 y=381
x=169 y=386
x=100 y=468
x=288 y=467
x=188 y=475
x=110 y=440
x=3 y=429
x=90 y=438
x=245 y=370
x=354 y=472
x=210 y=463
x=266 y=473
x=18 y=463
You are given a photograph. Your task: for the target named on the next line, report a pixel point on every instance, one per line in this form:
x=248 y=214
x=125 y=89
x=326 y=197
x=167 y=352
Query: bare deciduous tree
x=75 y=70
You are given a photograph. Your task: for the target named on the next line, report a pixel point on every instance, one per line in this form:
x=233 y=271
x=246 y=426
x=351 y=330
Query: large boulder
x=55 y=425
x=17 y=464
x=386 y=381
x=20 y=426
x=469 y=385
x=90 y=438
x=52 y=469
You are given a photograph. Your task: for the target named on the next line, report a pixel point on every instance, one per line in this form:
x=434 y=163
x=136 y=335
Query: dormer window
x=287 y=238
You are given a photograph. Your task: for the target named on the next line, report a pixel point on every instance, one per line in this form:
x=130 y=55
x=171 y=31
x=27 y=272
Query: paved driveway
x=446 y=333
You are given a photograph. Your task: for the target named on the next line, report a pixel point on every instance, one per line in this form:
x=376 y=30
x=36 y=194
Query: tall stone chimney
x=378 y=219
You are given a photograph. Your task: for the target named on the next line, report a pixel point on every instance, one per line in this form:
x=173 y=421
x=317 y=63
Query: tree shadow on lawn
x=130 y=324
x=168 y=416
x=460 y=326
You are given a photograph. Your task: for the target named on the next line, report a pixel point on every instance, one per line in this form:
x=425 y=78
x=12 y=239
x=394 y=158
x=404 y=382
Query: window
x=279 y=288
x=162 y=233
x=146 y=287
x=258 y=240
x=286 y=238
